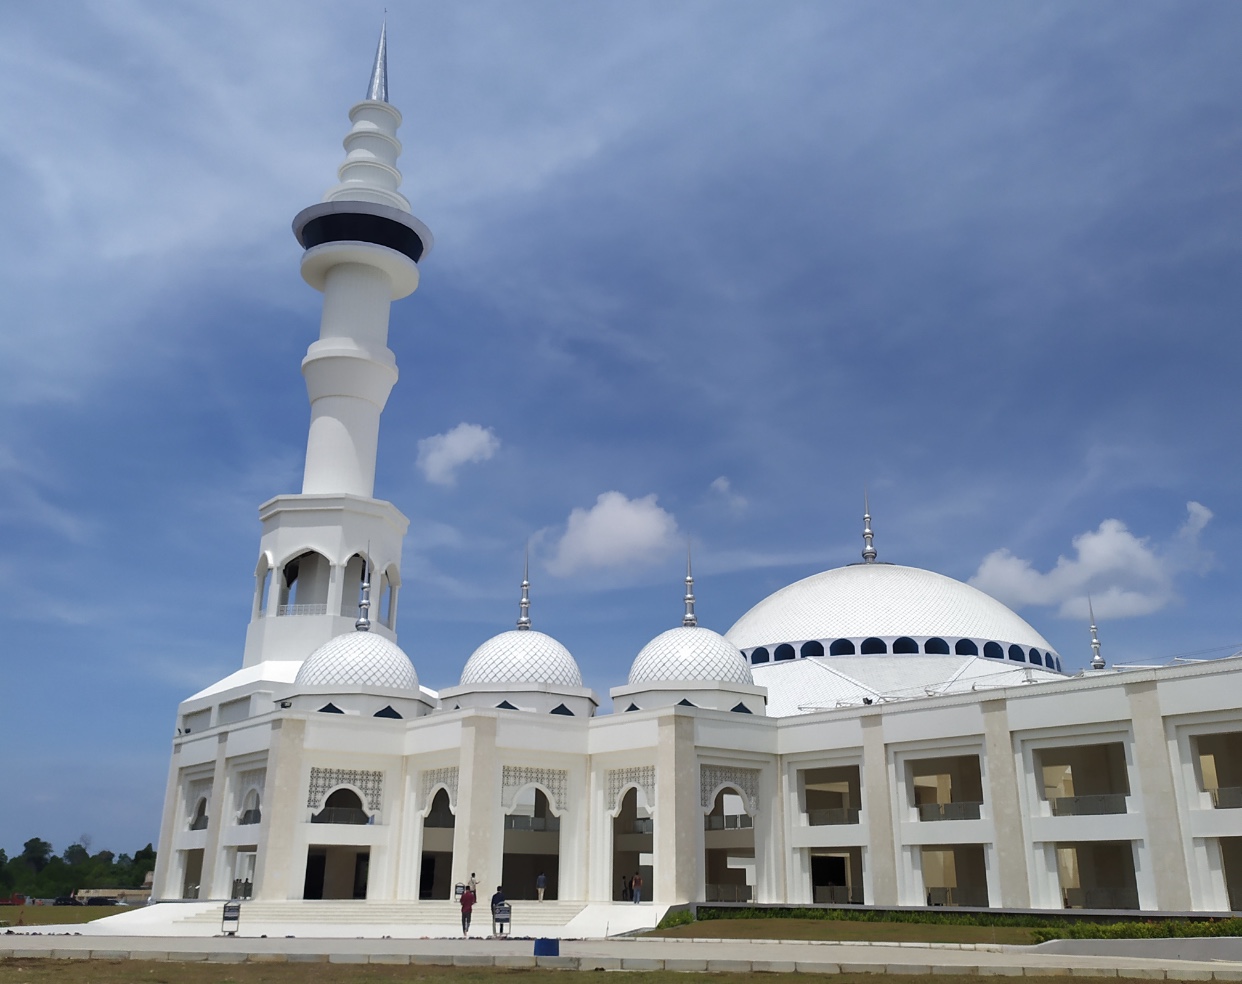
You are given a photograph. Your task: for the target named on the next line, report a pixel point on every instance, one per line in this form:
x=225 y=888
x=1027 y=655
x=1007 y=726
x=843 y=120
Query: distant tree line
x=40 y=873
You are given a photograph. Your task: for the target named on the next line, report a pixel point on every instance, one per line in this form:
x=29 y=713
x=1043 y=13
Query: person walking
x=636 y=887
x=625 y=888
x=541 y=883
x=468 y=898
x=473 y=883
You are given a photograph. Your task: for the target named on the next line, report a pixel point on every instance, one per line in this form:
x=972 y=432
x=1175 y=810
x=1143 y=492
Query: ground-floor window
x=1097 y=875
x=336 y=872
x=836 y=876
x=955 y=875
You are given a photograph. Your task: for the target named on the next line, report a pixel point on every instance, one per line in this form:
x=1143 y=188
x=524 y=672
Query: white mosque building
x=874 y=734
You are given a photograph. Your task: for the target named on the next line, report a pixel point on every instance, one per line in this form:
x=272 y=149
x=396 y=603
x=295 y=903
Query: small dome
x=690 y=653
x=522 y=656
x=358 y=659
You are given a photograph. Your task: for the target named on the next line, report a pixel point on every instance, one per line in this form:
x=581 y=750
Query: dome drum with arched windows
x=875 y=631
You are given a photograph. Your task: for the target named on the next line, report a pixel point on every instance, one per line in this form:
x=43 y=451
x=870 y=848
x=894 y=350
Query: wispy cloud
x=1124 y=574
x=615 y=533
x=441 y=455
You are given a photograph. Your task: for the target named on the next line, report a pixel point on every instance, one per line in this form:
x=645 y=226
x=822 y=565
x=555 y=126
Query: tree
x=76 y=854
x=36 y=853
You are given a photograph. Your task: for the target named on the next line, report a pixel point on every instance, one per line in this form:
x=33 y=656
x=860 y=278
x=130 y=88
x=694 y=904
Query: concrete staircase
x=435 y=916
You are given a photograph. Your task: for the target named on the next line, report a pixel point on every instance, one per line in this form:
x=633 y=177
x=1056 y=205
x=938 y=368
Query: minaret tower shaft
x=362 y=249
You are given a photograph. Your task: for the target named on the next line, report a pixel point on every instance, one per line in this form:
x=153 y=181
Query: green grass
x=46 y=971
x=841 y=930
x=57 y=915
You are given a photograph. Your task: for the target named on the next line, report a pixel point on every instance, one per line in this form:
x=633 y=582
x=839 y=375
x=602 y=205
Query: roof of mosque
x=358 y=659
x=882 y=600
x=823 y=682
x=522 y=656
x=689 y=652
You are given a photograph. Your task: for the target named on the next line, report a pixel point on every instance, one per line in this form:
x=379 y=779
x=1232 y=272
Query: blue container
x=547 y=948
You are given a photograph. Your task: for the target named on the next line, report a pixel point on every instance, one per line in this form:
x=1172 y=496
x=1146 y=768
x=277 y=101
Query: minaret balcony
x=283 y=610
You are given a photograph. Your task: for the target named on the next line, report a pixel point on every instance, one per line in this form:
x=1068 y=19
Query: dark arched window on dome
x=992 y=650
x=1036 y=658
x=759 y=655
x=330 y=708
x=505 y=705
x=562 y=709
x=812 y=648
x=1016 y=654
x=684 y=703
x=783 y=651
x=936 y=645
x=966 y=647
x=740 y=708
x=841 y=647
x=872 y=646
x=388 y=712
x=1058 y=664
x=905 y=645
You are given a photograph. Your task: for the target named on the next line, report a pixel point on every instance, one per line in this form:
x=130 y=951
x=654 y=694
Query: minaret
x=362 y=249
x=1097 y=661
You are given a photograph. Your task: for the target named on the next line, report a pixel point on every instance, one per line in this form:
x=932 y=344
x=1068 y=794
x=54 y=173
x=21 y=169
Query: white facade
x=875 y=734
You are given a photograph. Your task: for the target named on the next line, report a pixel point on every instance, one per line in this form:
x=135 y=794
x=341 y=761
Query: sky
x=703 y=272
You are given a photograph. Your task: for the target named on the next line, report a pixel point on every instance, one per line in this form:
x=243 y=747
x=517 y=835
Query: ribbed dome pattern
x=522 y=656
x=690 y=653
x=358 y=659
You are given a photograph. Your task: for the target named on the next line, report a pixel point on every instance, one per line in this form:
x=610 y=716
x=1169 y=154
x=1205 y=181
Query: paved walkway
x=627 y=954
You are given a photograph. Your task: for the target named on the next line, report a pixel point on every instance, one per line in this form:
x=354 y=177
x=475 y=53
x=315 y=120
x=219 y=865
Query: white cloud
x=724 y=493
x=616 y=532
x=440 y=455
x=1124 y=574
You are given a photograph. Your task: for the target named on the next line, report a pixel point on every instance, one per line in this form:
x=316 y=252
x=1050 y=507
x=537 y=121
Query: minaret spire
x=377 y=91
x=1097 y=661
x=364 y=600
x=523 y=622
x=868 y=553
x=689 y=620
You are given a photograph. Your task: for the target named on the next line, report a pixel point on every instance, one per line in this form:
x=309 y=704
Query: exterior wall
x=678 y=758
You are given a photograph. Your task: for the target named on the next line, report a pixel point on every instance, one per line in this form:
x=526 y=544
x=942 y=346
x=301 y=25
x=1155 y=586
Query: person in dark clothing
x=498 y=898
x=625 y=888
x=468 y=898
x=541 y=885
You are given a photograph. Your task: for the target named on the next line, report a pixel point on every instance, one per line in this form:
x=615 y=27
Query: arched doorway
x=435 y=879
x=632 y=845
x=338 y=871
x=728 y=850
x=532 y=846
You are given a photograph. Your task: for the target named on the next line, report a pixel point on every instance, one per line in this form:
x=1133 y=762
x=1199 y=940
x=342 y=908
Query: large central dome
x=907 y=609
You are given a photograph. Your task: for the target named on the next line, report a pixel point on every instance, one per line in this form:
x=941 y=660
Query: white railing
x=302 y=610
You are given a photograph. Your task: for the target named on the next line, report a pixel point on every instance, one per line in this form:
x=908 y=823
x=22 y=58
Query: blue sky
x=701 y=270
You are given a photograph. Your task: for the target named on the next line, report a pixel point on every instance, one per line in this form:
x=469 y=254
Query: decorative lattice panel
x=439 y=777
x=642 y=776
x=195 y=790
x=246 y=781
x=514 y=777
x=712 y=777
x=369 y=783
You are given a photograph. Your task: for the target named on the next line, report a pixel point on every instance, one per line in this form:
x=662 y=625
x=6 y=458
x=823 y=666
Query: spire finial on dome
x=689 y=620
x=377 y=91
x=1097 y=661
x=868 y=553
x=523 y=621
x=364 y=600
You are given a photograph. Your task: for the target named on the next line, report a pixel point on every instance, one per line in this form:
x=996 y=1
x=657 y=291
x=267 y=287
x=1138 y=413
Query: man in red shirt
x=467 y=906
x=636 y=887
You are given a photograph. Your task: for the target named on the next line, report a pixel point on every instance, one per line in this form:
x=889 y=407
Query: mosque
x=871 y=735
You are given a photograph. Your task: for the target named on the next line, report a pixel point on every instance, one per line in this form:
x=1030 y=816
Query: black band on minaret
x=360 y=227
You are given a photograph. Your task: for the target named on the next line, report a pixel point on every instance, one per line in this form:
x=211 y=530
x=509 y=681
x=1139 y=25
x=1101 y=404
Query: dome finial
x=377 y=91
x=364 y=601
x=1097 y=661
x=523 y=621
x=689 y=620
x=868 y=553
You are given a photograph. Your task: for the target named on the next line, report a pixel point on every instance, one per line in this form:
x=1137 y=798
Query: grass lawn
x=132 y=971
x=57 y=915
x=841 y=929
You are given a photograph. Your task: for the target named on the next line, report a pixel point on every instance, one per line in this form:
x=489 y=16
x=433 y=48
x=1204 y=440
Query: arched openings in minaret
x=389 y=584
x=262 y=585
x=351 y=588
x=304 y=583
